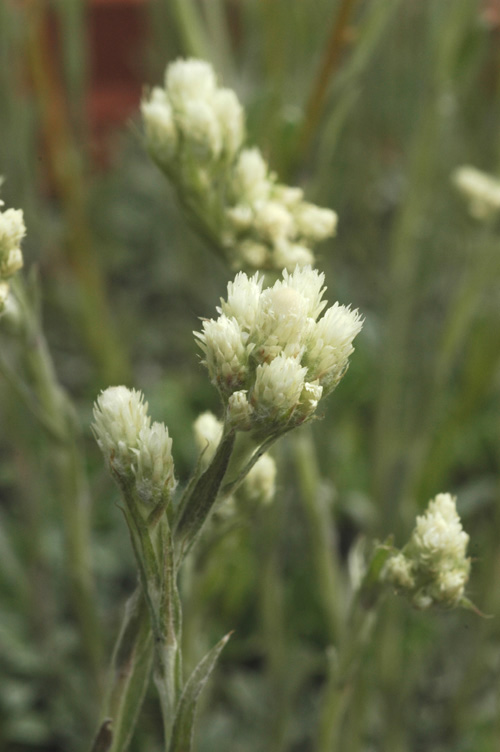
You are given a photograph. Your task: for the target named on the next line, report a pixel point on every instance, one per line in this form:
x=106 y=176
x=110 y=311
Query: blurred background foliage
x=369 y=105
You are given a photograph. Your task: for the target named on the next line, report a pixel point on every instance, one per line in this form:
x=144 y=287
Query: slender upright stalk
x=336 y=42
x=66 y=172
x=341 y=682
x=69 y=478
x=320 y=531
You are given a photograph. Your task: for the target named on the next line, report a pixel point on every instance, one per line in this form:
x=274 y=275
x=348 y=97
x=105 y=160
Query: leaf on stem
x=202 y=498
x=182 y=734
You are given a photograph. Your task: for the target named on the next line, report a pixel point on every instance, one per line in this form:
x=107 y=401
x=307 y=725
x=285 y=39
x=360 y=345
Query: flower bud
x=161 y=132
x=225 y=353
x=154 y=465
x=259 y=485
x=231 y=118
x=481 y=190
x=250 y=180
x=239 y=411
x=315 y=223
x=331 y=344
x=201 y=130
x=207 y=434
x=277 y=390
x=188 y=80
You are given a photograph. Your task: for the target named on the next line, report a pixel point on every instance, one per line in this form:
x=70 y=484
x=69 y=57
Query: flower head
x=271 y=352
x=433 y=569
x=195 y=131
x=136 y=451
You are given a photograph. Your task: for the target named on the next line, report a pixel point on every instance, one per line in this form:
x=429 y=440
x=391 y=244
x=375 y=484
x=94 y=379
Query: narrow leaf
x=202 y=498
x=131 y=672
x=182 y=734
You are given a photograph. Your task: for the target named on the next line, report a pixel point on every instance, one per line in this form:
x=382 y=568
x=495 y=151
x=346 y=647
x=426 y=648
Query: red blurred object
x=117 y=34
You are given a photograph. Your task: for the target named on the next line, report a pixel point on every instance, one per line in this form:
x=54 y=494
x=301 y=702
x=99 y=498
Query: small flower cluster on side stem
x=432 y=569
x=195 y=132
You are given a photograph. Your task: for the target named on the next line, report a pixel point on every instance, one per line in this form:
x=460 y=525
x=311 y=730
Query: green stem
x=343 y=674
x=273 y=620
x=69 y=478
x=331 y=59
x=130 y=673
x=153 y=548
x=320 y=531
x=63 y=155
x=392 y=423
x=219 y=35
x=190 y=26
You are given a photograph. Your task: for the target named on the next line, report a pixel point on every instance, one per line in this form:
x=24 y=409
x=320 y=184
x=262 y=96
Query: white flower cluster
x=270 y=355
x=480 y=189
x=195 y=132
x=259 y=485
x=433 y=569
x=136 y=449
x=12 y=231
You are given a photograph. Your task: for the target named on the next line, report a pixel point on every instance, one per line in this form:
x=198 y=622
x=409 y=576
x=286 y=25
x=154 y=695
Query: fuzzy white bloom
x=239 y=411
x=288 y=195
x=250 y=177
x=12 y=231
x=119 y=416
x=251 y=254
x=4 y=294
x=315 y=223
x=278 y=387
x=154 y=466
x=225 y=353
x=136 y=451
x=201 y=129
x=231 y=118
x=398 y=571
x=282 y=325
x=273 y=220
x=271 y=353
x=288 y=255
x=433 y=567
x=311 y=395
x=260 y=484
x=438 y=533
x=243 y=298
x=240 y=218
x=332 y=345
x=189 y=80
x=207 y=434
x=481 y=190
x=161 y=131
x=310 y=284
x=195 y=131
